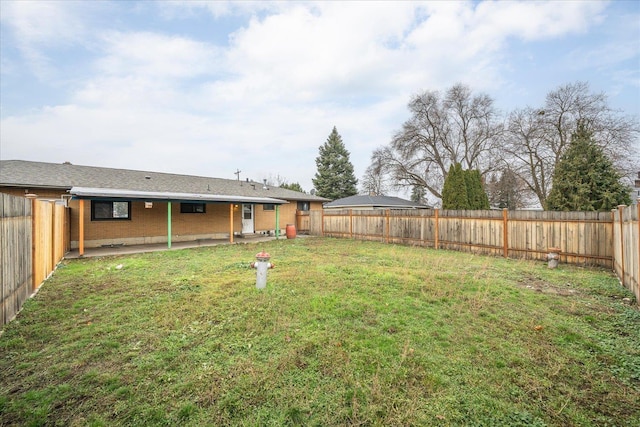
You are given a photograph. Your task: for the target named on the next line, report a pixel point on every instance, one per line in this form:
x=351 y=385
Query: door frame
x=248 y=225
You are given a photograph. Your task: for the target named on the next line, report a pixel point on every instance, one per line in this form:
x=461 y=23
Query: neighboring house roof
x=21 y=173
x=375 y=202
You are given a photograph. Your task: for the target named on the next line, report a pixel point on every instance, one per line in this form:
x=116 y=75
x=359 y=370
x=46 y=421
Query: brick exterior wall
x=150 y=225
x=266 y=220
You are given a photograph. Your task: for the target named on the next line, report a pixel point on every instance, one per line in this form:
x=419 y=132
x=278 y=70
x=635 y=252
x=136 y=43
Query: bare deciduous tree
x=374 y=180
x=459 y=127
x=536 y=139
x=528 y=155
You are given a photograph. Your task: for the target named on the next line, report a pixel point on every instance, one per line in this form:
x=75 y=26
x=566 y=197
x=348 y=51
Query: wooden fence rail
x=582 y=237
x=34 y=237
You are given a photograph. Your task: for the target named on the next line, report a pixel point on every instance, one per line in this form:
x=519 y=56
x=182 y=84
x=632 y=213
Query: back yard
x=346 y=333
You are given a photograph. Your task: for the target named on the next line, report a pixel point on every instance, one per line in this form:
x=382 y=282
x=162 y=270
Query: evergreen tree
x=418 y=194
x=476 y=195
x=506 y=193
x=334 y=178
x=585 y=178
x=294 y=186
x=454 y=190
x=493 y=190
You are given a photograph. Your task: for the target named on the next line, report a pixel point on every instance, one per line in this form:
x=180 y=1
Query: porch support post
x=81 y=228
x=277 y=221
x=169 y=225
x=230 y=222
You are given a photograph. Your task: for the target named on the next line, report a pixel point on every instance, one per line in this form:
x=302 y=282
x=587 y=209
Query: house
x=362 y=202
x=125 y=207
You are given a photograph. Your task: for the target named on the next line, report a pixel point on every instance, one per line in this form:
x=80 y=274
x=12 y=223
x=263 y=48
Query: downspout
x=277 y=221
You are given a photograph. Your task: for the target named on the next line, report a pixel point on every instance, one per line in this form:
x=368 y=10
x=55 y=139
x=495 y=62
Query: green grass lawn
x=346 y=333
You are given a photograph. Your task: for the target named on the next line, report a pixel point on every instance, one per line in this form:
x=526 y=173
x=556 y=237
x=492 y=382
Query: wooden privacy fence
x=582 y=237
x=34 y=237
x=626 y=244
x=303 y=221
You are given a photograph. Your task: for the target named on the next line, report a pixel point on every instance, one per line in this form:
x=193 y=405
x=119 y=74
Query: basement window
x=108 y=211
x=193 y=208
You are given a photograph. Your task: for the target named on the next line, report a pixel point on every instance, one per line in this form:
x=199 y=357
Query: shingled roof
x=21 y=173
x=375 y=202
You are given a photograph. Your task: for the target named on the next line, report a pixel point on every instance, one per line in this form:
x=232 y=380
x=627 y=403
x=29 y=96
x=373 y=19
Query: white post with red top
x=262 y=265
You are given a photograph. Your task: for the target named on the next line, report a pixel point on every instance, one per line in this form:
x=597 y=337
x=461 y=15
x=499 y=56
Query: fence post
x=322 y=222
x=351 y=223
x=437 y=239
x=620 y=212
x=54 y=261
x=388 y=225
x=505 y=237
x=33 y=198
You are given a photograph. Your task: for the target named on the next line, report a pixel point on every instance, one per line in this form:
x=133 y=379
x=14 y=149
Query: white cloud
x=536 y=20
x=37 y=26
x=182 y=9
x=46 y=23
x=156 y=55
x=267 y=98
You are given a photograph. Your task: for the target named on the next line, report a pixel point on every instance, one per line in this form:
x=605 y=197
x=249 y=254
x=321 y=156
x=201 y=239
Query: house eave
x=123 y=194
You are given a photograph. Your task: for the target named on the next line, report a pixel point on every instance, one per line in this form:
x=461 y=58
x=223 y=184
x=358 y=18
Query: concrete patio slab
x=134 y=249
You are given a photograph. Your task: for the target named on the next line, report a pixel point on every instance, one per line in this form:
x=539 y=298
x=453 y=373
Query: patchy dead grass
x=346 y=333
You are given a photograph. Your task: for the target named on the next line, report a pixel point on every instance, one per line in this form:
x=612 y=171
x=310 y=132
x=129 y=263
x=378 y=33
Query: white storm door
x=247 y=219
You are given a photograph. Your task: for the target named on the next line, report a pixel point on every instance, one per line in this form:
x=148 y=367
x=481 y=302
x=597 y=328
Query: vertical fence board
x=42 y=260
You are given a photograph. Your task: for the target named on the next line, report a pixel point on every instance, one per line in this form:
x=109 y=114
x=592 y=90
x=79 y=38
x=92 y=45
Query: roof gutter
x=120 y=194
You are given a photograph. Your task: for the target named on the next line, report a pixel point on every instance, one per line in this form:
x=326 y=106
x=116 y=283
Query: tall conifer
x=454 y=191
x=334 y=178
x=585 y=178
x=476 y=195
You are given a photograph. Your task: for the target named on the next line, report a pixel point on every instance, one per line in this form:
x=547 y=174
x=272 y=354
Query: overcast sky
x=206 y=88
